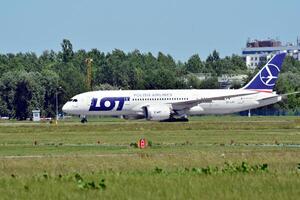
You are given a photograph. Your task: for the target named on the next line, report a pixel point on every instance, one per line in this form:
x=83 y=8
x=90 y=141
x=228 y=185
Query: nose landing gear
x=83 y=119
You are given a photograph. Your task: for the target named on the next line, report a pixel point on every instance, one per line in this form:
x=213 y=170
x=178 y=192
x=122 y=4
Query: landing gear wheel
x=84 y=120
x=183 y=119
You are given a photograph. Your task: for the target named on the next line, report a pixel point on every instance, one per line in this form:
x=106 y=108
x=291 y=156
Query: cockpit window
x=73 y=100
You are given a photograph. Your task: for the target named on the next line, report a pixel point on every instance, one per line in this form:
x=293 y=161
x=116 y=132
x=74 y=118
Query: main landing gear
x=172 y=119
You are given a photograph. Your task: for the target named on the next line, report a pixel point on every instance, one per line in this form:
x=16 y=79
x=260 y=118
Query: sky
x=180 y=28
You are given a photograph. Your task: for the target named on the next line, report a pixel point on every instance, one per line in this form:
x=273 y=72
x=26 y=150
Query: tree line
x=29 y=81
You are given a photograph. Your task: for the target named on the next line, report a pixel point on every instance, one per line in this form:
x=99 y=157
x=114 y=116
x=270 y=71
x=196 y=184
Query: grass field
x=207 y=158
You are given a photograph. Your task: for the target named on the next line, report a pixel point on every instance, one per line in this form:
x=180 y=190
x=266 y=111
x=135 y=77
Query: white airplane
x=177 y=105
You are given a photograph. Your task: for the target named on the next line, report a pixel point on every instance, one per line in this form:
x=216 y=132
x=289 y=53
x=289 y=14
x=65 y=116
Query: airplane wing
x=183 y=105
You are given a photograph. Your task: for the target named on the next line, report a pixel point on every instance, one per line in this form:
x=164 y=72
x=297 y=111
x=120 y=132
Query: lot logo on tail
x=266 y=75
x=266 y=78
x=108 y=103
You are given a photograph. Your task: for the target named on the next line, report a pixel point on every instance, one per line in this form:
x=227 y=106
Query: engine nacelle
x=157 y=112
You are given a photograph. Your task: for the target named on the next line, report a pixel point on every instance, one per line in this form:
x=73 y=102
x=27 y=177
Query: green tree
x=287 y=83
x=193 y=82
x=21 y=93
x=99 y=61
x=67 y=50
x=22 y=99
x=8 y=83
x=50 y=82
x=194 y=64
x=71 y=81
x=210 y=83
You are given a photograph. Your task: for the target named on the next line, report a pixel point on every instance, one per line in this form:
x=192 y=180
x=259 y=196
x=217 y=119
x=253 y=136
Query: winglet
x=266 y=78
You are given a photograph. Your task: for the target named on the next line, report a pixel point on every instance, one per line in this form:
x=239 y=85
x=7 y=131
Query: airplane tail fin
x=266 y=78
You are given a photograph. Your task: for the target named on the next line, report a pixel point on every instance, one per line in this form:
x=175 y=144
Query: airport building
x=226 y=80
x=258 y=52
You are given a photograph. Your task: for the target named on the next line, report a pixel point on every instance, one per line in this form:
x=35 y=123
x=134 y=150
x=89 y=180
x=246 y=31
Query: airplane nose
x=66 y=108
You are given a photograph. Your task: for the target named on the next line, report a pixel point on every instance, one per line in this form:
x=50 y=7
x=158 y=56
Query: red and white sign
x=142 y=143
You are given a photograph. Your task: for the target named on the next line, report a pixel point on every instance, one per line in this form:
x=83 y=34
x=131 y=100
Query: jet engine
x=157 y=112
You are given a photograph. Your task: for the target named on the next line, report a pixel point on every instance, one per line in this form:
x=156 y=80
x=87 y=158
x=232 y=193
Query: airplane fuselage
x=132 y=102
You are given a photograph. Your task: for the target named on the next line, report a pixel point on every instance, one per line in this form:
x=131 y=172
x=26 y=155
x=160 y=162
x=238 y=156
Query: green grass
x=101 y=150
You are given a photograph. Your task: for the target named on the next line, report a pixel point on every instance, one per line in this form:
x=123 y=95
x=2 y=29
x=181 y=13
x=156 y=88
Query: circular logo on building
x=269 y=74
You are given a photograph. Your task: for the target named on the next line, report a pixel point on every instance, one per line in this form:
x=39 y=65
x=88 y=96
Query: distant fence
x=271 y=112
